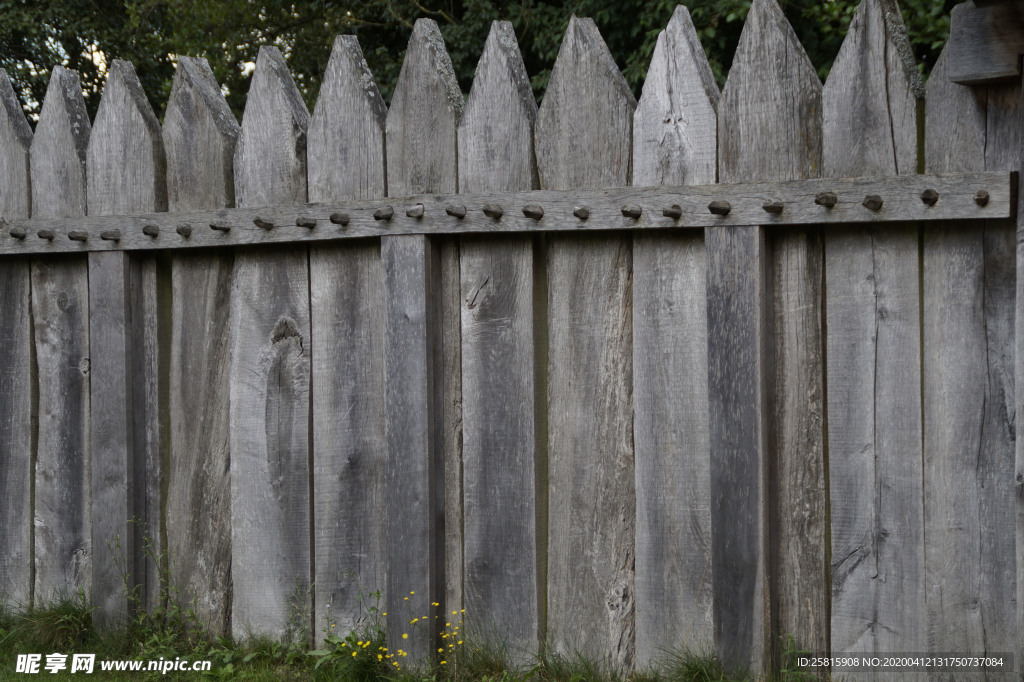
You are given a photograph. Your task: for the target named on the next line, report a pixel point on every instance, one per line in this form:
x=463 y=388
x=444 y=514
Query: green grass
x=65 y=626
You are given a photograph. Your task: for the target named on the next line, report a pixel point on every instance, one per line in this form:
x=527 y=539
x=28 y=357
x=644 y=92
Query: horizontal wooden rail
x=956 y=196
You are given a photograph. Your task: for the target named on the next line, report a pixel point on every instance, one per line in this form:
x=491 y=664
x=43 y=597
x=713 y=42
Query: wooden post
x=17 y=383
x=64 y=550
x=583 y=139
x=968 y=342
x=674 y=143
x=874 y=350
x=346 y=161
x=500 y=465
x=770 y=129
x=199 y=135
x=125 y=175
x=421 y=383
x=270 y=356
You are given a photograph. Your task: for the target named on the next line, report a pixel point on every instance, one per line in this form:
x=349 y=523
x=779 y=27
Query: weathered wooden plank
x=60 y=317
x=498 y=361
x=985 y=43
x=770 y=128
x=674 y=142
x=902 y=201
x=583 y=139
x=346 y=161
x=739 y=389
x=199 y=136
x=1019 y=404
x=16 y=376
x=968 y=341
x=873 y=348
x=126 y=174
x=422 y=379
x=270 y=355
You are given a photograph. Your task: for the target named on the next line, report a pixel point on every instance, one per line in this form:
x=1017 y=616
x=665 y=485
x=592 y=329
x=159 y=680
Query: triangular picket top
x=616 y=377
x=675 y=125
x=199 y=135
x=424 y=117
x=270 y=159
x=58 y=149
x=346 y=133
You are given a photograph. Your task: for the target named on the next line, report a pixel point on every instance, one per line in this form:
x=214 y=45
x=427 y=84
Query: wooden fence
x=778 y=417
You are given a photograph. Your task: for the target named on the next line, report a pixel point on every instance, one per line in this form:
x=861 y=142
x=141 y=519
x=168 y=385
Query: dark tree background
x=85 y=34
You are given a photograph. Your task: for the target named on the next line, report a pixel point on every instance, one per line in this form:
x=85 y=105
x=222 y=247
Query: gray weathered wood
x=16 y=377
x=901 y=196
x=500 y=438
x=985 y=43
x=60 y=313
x=674 y=142
x=425 y=556
x=739 y=390
x=126 y=174
x=346 y=161
x=770 y=128
x=199 y=135
x=1019 y=404
x=583 y=139
x=968 y=382
x=270 y=355
x=873 y=349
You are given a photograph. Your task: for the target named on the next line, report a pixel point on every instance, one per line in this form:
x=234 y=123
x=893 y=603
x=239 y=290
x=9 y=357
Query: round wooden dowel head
x=632 y=211
x=185 y=230
x=151 y=231
x=456 y=211
x=826 y=199
x=581 y=212
x=721 y=208
x=929 y=197
x=111 y=235
x=18 y=232
x=45 y=233
x=78 y=236
x=416 y=211
x=533 y=211
x=675 y=212
x=872 y=202
x=773 y=206
x=306 y=221
x=384 y=213
x=263 y=223
x=981 y=198
x=339 y=218
x=493 y=211
x=220 y=226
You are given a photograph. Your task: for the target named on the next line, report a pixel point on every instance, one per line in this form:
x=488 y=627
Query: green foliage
x=86 y=34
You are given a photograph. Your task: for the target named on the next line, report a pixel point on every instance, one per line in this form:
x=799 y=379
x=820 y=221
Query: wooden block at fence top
x=59 y=149
x=954 y=196
x=739 y=352
x=986 y=42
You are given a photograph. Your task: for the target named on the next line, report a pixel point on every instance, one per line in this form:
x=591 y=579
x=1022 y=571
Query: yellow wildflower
x=405 y=635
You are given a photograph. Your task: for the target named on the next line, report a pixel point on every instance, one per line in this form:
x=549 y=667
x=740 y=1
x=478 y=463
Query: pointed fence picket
x=606 y=440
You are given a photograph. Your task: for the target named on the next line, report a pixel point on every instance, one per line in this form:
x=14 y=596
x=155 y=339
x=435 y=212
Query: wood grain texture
x=425 y=557
x=873 y=348
x=199 y=134
x=16 y=374
x=985 y=43
x=739 y=388
x=1019 y=403
x=968 y=382
x=60 y=317
x=346 y=161
x=270 y=374
x=498 y=361
x=674 y=142
x=770 y=127
x=583 y=139
x=125 y=174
